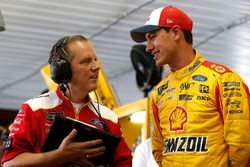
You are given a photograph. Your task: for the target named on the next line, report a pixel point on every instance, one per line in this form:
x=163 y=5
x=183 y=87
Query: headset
x=60 y=70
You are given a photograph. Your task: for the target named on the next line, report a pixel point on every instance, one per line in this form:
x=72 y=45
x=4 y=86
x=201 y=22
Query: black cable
x=67 y=86
x=97 y=99
x=105 y=126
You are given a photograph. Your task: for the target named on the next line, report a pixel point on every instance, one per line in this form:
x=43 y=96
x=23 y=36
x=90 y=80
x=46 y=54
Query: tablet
x=85 y=132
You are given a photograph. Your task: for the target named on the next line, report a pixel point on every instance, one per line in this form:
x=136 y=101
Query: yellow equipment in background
x=107 y=97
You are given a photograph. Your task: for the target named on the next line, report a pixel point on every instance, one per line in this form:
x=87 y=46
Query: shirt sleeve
x=157 y=139
x=22 y=134
x=234 y=100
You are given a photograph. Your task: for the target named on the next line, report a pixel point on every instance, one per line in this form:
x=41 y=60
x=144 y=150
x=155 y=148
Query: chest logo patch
x=177 y=119
x=97 y=122
x=200 y=78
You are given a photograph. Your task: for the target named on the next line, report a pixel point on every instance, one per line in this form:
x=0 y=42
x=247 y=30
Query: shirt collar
x=190 y=68
x=66 y=99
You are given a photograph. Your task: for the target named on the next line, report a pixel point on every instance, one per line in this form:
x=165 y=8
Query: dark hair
x=187 y=34
x=60 y=49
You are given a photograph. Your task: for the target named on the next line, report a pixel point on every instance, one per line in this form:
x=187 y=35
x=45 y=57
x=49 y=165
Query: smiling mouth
x=94 y=77
x=155 y=54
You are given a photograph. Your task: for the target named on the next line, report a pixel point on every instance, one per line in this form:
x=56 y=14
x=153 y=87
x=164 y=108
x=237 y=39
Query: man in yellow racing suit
x=201 y=117
x=200 y=111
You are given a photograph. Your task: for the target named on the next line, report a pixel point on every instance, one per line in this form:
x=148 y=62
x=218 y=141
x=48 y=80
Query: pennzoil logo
x=185 y=144
x=177 y=119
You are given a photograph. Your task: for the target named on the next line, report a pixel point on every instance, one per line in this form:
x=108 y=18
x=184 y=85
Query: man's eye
x=84 y=61
x=152 y=36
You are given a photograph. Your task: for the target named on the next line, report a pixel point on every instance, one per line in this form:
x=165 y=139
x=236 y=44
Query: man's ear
x=176 y=30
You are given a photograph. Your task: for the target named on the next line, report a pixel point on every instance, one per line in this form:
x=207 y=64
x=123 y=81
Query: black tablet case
x=63 y=126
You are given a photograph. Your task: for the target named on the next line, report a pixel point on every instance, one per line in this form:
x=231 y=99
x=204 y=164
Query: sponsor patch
x=42 y=95
x=205 y=98
x=186 y=86
x=18 y=121
x=231 y=89
x=235 y=111
x=177 y=119
x=200 y=78
x=185 y=144
x=220 y=69
x=231 y=83
x=196 y=64
x=97 y=122
x=171 y=90
x=233 y=103
x=204 y=88
x=232 y=94
x=162 y=88
x=8 y=143
x=50 y=116
x=185 y=97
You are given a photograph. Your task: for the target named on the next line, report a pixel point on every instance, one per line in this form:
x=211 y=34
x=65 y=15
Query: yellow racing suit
x=200 y=115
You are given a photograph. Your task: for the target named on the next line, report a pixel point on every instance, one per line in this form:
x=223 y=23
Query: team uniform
x=201 y=117
x=36 y=116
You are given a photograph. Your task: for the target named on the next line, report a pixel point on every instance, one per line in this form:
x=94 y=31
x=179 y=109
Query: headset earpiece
x=61 y=71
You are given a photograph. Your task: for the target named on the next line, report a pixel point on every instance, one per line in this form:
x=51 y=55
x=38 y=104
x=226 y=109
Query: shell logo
x=220 y=69
x=178 y=118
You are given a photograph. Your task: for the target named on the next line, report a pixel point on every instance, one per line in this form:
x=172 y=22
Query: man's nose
x=149 y=47
x=95 y=66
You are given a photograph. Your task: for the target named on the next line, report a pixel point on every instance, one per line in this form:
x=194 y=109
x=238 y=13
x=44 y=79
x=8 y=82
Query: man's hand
x=80 y=152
